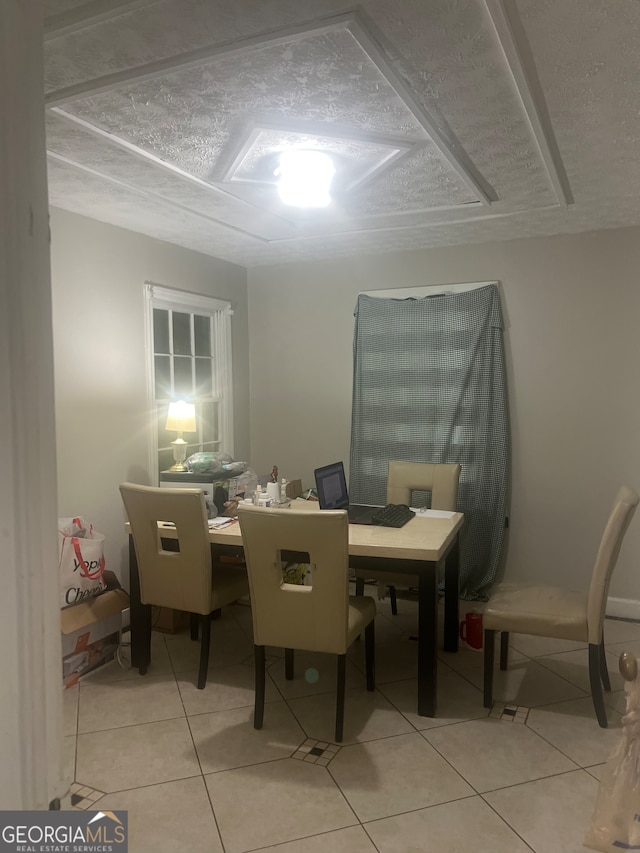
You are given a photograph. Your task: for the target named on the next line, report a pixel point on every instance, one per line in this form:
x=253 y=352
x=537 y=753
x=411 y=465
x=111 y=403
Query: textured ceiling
x=449 y=121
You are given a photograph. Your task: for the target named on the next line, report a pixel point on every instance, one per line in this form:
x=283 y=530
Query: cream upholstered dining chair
x=320 y=616
x=404 y=478
x=548 y=611
x=183 y=579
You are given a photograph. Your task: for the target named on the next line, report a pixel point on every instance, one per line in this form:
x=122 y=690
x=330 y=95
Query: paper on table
x=432 y=513
x=221 y=521
x=218 y=521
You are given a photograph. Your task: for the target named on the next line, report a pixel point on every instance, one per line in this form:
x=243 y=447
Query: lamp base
x=179 y=454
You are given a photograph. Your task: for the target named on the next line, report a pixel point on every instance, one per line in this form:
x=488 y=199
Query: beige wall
x=102 y=419
x=571 y=307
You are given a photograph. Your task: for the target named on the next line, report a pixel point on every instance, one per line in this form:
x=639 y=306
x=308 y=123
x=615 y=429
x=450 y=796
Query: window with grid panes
x=190 y=349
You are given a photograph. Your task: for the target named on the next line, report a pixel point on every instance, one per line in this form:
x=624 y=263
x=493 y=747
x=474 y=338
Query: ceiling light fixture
x=305 y=178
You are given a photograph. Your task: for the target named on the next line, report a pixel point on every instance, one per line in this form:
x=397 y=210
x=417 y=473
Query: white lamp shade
x=181 y=417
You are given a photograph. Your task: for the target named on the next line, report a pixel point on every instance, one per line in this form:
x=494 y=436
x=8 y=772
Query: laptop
x=331 y=486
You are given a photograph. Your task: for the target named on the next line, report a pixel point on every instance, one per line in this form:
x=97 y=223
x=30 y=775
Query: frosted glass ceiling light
x=305 y=178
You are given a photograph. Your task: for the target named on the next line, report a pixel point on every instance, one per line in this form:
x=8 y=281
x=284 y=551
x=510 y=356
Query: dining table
x=426 y=547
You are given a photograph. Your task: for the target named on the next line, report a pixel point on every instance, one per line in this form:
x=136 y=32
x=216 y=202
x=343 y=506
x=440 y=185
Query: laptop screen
x=331 y=486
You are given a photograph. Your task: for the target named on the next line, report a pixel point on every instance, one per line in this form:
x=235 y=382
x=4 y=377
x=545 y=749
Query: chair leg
x=604 y=671
x=340 y=697
x=504 y=649
x=370 y=654
x=258 y=710
x=394 y=600
x=489 y=651
x=596 y=685
x=205 y=643
x=288 y=664
x=359 y=586
x=193 y=625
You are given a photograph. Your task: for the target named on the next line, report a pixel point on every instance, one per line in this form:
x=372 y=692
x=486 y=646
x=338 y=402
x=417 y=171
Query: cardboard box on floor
x=91 y=631
x=168 y=621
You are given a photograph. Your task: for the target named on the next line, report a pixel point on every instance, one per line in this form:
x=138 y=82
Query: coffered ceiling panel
x=448 y=121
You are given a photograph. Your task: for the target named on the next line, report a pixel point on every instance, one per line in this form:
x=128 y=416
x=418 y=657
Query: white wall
x=571 y=306
x=102 y=417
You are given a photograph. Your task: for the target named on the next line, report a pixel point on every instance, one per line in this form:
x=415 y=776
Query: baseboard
x=623 y=608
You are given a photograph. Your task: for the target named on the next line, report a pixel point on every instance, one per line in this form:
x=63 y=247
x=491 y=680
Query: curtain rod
x=425 y=290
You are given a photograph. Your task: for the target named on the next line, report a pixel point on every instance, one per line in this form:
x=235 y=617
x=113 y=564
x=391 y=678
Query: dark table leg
x=451 y=603
x=427 y=640
x=140 y=617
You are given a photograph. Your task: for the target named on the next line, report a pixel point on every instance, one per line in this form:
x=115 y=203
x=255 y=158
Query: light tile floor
x=195 y=775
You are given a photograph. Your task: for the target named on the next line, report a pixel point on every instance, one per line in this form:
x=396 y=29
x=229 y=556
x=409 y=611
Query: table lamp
x=181 y=418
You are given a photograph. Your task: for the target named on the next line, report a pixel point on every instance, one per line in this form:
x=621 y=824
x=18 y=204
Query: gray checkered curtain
x=429 y=385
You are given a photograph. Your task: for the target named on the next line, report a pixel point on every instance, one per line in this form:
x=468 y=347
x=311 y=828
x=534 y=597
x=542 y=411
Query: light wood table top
x=422 y=538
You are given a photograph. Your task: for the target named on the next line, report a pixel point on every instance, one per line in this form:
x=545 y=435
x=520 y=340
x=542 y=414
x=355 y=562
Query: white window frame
x=160 y=296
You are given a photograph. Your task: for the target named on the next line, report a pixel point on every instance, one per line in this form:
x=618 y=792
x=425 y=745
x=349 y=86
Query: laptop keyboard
x=393 y=515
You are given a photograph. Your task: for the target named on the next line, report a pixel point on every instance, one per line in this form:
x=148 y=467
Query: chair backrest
x=179 y=579
x=313 y=617
x=441 y=479
x=621 y=514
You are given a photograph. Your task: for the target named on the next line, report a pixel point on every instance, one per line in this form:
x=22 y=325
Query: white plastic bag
x=81 y=561
x=615 y=824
